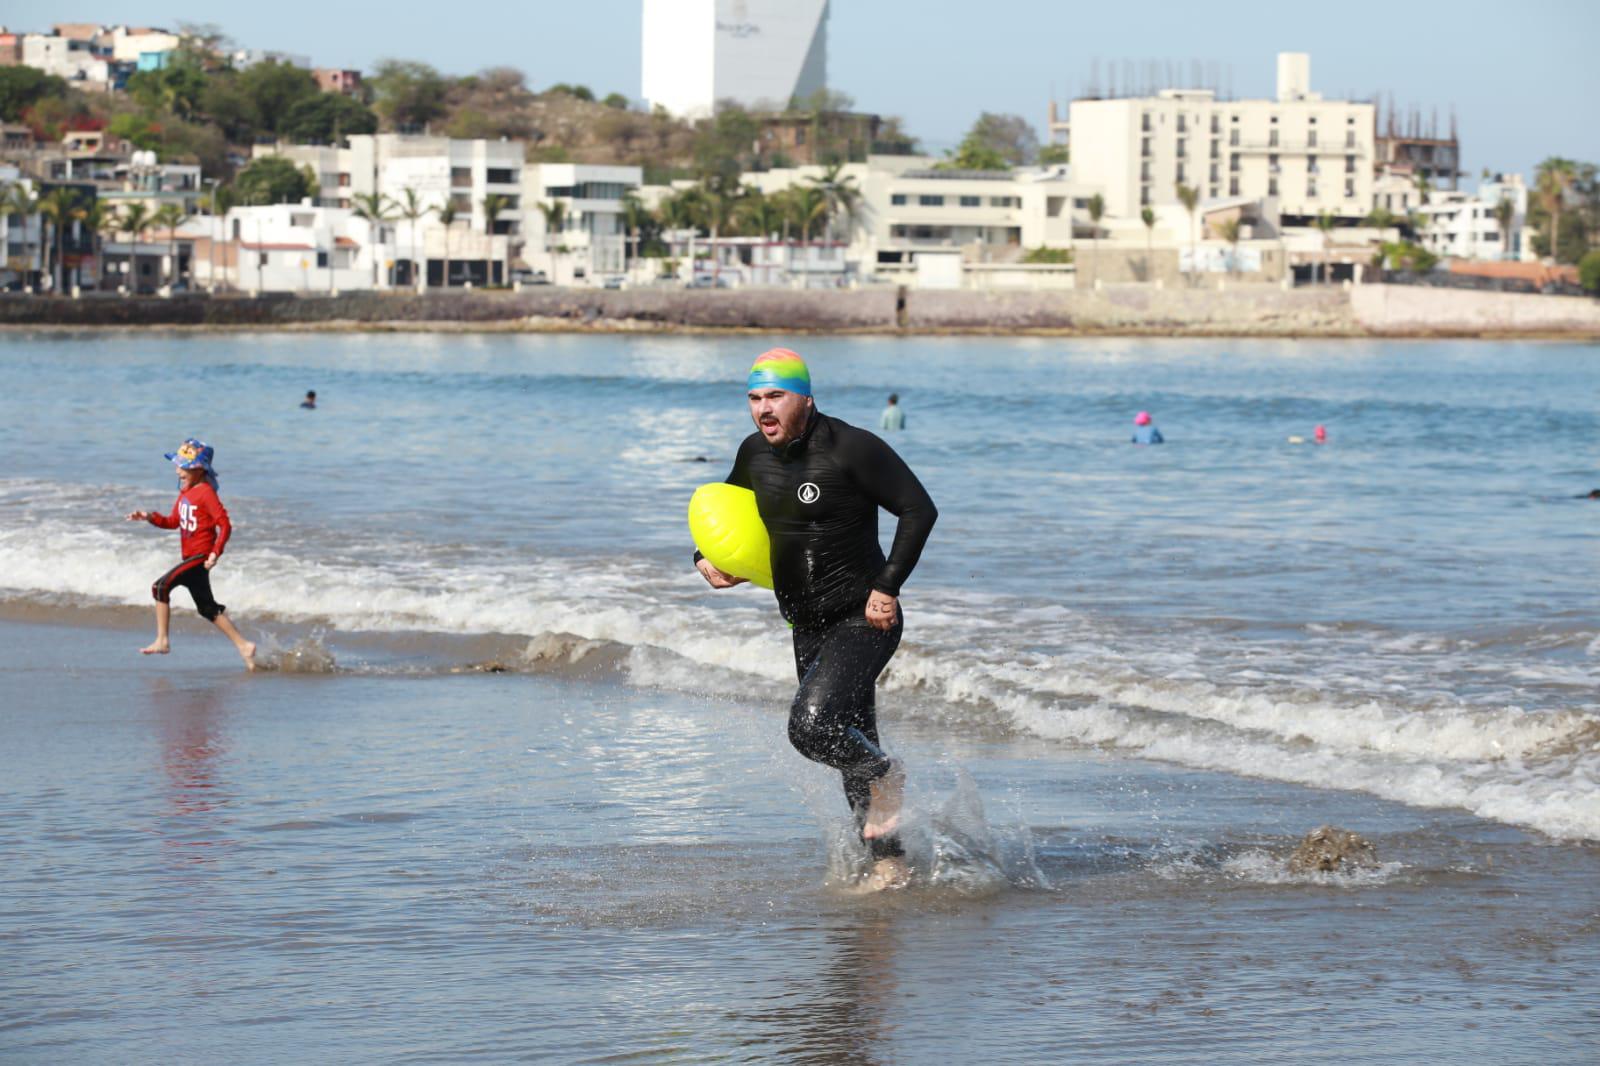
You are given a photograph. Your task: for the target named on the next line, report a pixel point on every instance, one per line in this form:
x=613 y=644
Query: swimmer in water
x=819 y=483
x=1145 y=431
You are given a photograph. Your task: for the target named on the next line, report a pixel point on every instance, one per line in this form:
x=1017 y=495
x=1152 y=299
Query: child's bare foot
x=883 y=813
x=160 y=647
x=248 y=653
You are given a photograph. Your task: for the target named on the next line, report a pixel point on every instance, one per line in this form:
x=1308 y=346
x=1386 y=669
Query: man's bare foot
x=886 y=874
x=160 y=647
x=248 y=654
x=883 y=811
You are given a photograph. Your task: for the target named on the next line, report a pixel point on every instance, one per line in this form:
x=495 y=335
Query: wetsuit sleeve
x=739 y=475
x=167 y=521
x=217 y=515
x=885 y=479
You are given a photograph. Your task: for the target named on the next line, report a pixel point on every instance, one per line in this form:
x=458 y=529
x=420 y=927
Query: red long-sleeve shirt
x=199 y=515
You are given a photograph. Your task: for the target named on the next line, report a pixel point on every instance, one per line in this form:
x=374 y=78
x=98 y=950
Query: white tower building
x=756 y=53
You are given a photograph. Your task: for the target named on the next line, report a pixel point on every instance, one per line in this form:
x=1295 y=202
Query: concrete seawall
x=1238 y=310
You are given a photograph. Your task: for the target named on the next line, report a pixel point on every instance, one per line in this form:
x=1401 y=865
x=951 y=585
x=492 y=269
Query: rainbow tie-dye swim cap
x=780 y=369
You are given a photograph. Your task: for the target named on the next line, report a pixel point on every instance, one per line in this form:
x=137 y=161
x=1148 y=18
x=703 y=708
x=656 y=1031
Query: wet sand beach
x=376 y=866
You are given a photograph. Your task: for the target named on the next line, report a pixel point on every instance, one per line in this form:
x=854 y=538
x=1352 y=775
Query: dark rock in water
x=490 y=667
x=1327 y=849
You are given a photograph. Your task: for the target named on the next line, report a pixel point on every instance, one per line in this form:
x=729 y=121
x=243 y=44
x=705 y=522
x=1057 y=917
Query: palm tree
x=59 y=207
x=134 y=220
x=1505 y=212
x=1381 y=218
x=446 y=214
x=376 y=209
x=1097 y=211
x=758 y=214
x=555 y=217
x=413 y=210
x=1325 y=223
x=493 y=205
x=169 y=217
x=841 y=193
x=1228 y=230
x=720 y=207
x=634 y=216
x=1189 y=196
x=1556 y=175
x=1147 y=215
x=20 y=203
x=100 y=219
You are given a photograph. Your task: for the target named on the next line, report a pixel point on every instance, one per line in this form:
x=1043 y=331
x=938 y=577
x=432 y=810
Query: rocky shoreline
x=1238 y=311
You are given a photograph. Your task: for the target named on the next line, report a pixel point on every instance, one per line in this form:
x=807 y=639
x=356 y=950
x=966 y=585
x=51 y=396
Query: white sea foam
x=1066 y=680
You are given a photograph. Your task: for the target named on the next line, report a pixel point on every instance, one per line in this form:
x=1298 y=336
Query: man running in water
x=819 y=483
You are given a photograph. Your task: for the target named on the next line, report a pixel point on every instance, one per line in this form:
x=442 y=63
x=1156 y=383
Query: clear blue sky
x=1521 y=77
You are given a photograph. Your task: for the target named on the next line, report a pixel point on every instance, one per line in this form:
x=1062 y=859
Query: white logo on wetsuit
x=809 y=493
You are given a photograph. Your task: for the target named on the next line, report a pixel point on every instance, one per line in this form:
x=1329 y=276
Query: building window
x=1311 y=165
x=971 y=201
x=1311 y=188
x=1216 y=123
x=1233 y=186
x=1183 y=124
x=1183 y=172
x=1144 y=194
x=1215 y=192
x=1233 y=163
x=1183 y=147
x=1144 y=147
x=1144 y=171
x=1144 y=122
x=897 y=199
x=502 y=176
x=1349 y=164
x=1272 y=186
x=1349 y=188
x=1004 y=201
x=322 y=259
x=1349 y=138
x=460 y=176
x=344 y=180
x=1216 y=149
x=1215 y=172
x=1272 y=137
x=1311 y=138
x=930 y=201
x=1233 y=138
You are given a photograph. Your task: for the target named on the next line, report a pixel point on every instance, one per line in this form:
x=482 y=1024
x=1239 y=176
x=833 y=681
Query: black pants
x=834 y=717
x=193 y=575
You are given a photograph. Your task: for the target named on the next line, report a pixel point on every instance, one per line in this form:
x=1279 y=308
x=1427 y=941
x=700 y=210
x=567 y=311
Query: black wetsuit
x=819 y=497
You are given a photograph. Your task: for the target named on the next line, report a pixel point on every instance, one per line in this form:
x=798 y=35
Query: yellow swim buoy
x=728 y=530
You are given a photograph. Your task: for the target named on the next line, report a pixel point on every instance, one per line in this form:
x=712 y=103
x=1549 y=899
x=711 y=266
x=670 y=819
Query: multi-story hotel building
x=1308 y=154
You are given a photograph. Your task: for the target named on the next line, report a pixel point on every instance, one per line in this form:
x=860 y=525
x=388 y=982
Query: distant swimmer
x=202 y=523
x=1145 y=431
x=894 y=416
x=819 y=483
x=1321 y=434
x=1592 y=494
x=310 y=402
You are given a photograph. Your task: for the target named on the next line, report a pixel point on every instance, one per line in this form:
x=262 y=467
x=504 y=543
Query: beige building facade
x=1309 y=154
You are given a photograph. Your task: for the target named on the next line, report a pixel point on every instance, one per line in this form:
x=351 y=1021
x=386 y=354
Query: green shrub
x=1589 y=271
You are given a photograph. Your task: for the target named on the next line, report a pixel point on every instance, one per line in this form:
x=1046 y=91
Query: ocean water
x=1131 y=678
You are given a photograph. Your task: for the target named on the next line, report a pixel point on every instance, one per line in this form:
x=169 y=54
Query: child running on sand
x=203 y=523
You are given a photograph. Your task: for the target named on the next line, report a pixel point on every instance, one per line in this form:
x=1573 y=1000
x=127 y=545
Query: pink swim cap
x=1142 y=418
x=1322 y=433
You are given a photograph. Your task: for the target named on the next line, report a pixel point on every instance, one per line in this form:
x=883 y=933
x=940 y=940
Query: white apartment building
x=756 y=53
x=69 y=58
x=304 y=248
x=907 y=206
x=1311 y=155
x=591 y=242
x=244 y=58
x=439 y=170
x=129 y=43
x=1464 y=226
